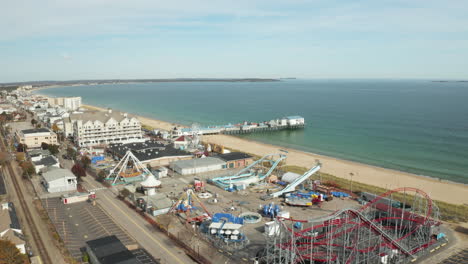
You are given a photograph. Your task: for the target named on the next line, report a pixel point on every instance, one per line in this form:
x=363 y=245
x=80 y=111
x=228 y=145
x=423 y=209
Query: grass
x=448 y=212
x=147 y=127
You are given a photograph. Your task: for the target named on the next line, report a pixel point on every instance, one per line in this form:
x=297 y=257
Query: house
x=195 y=166
x=59 y=180
x=236 y=159
x=182 y=142
x=33 y=138
x=109 y=250
x=10 y=228
x=38 y=154
x=45 y=163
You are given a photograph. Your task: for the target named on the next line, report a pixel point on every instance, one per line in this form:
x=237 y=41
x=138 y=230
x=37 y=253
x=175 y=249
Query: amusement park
x=263 y=214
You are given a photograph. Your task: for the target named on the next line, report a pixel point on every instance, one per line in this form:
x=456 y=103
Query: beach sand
x=390 y=179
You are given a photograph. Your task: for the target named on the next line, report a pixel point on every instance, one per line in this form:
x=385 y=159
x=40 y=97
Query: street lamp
x=351 y=176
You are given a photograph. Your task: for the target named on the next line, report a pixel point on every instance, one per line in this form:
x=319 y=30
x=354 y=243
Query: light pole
x=351 y=176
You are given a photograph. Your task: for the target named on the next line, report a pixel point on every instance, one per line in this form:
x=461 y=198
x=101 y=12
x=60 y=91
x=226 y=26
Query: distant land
x=117 y=81
x=442 y=81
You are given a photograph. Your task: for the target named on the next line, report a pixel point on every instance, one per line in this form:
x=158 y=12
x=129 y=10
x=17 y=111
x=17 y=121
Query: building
x=295 y=121
x=152 y=152
x=45 y=163
x=195 y=166
x=59 y=180
x=183 y=142
x=10 y=228
x=69 y=103
x=109 y=250
x=236 y=159
x=93 y=128
x=33 y=138
x=38 y=154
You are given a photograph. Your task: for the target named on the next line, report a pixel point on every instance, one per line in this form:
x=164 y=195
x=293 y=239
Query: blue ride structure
x=251 y=173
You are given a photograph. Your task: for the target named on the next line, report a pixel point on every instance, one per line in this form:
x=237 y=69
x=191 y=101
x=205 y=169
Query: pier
x=290 y=122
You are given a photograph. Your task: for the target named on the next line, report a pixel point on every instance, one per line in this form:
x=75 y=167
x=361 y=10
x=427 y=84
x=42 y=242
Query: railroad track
x=40 y=246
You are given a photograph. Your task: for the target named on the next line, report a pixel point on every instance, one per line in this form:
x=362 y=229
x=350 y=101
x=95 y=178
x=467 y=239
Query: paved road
x=157 y=244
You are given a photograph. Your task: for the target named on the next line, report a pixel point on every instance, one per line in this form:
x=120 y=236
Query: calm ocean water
x=415 y=126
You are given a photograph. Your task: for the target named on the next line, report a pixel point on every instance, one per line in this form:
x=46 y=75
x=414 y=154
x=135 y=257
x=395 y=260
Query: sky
x=99 y=39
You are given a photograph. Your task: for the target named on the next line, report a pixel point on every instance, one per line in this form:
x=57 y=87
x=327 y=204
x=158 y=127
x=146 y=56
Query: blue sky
x=92 y=39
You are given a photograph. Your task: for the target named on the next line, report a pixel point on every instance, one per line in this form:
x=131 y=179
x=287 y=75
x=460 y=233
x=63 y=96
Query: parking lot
x=81 y=222
x=460 y=257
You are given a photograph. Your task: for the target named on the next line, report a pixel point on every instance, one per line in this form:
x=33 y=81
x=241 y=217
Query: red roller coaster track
x=393 y=228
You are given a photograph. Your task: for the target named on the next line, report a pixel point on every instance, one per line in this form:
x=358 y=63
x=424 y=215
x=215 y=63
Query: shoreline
x=437 y=189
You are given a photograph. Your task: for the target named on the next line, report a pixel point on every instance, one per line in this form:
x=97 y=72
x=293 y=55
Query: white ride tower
x=128 y=170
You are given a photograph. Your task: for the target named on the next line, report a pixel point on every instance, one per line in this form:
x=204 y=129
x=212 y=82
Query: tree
x=10 y=254
x=101 y=176
x=71 y=153
x=55 y=128
x=27 y=167
x=3 y=158
x=20 y=156
x=33 y=122
x=78 y=171
x=44 y=145
x=124 y=193
x=85 y=161
x=53 y=149
x=21 y=148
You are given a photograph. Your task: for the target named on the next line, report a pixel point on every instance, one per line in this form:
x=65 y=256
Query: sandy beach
x=390 y=179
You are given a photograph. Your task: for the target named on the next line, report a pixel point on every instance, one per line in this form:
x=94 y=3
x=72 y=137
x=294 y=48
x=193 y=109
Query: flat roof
x=35 y=130
x=110 y=250
x=234 y=156
x=148 y=150
x=193 y=163
x=2 y=185
x=57 y=173
x=47 y=161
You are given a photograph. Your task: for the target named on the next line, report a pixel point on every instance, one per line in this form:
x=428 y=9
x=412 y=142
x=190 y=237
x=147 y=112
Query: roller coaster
x=252 y=173
x=380 y=231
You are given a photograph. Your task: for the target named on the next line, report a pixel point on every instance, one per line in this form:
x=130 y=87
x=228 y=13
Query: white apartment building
x=69 y=103
x=94 y=128
x=33 y=138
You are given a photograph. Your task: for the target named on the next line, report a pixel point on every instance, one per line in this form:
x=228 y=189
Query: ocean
x=417 y=126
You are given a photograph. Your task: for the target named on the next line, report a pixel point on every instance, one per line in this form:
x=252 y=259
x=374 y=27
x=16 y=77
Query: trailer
x=77 y=197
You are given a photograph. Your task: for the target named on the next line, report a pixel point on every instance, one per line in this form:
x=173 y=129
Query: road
x=157 y=244
x=37 y=232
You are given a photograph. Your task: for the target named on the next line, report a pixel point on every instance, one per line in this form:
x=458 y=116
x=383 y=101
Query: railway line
x=24 y=207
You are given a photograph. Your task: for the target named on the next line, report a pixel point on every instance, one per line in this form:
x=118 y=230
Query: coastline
x=446 y=191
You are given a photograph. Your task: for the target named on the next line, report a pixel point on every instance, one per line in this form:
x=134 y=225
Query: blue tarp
x=340 y=194
x=95 y=159
x=218 y=217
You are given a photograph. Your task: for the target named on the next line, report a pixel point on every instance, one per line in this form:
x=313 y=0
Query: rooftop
x=109 y=250
x=234 y=156
x=147 y=150
x=35 y=130
x=37 y=152
x=294 y=117
x=57 y=173
x=184 y=164
x=2 y=185
x=47 y=161
x=102 y=116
